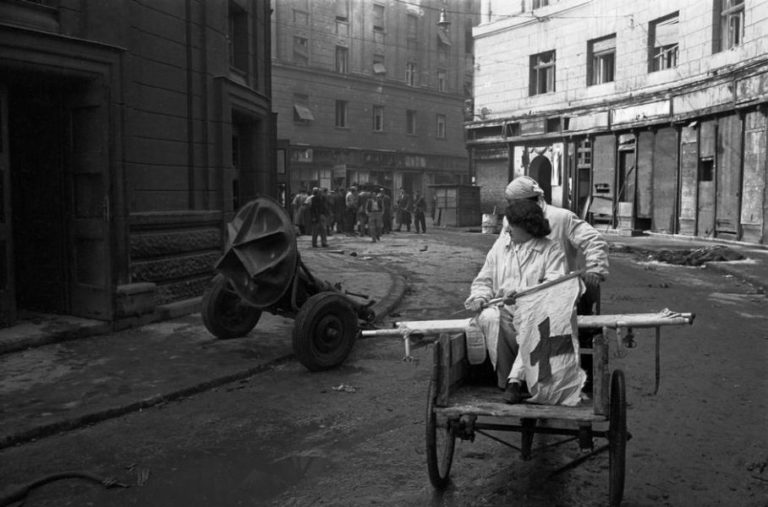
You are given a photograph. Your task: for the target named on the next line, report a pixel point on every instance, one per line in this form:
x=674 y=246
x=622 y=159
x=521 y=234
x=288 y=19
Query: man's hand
x=475 y=304
x=510 y=298
x=592 y=279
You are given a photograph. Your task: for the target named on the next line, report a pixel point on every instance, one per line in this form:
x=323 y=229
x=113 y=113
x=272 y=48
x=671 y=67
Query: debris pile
x=683 y=256
x=697 y=256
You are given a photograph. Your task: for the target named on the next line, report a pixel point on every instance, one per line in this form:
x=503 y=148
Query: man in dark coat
x=404 y=205
x=386 y=200
x=318 y=217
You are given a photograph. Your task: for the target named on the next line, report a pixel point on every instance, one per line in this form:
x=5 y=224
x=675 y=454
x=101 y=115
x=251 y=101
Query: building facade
x=641 y=116
x=130 y=132
x=371 y=91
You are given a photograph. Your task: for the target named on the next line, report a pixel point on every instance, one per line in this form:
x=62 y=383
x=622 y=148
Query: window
x=728 y=25
x=300 y=17
x=441 y=80
x=410 y=122
x=238 y=37
x=663 y=43
x=342 y=10
x=301 y=111
x=378 y=64
x=378 y=18
x=378 y=119
x=342 y=59
x=536 y=4
x=601 y=60
x=411 y=27
x=341 y=114
x=301 y=51
x=469 y=41
x=542 y=79
x=440 y=126
x=410 y=74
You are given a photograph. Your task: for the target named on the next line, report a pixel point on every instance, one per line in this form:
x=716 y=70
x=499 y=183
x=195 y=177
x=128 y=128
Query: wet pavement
x=53 y=382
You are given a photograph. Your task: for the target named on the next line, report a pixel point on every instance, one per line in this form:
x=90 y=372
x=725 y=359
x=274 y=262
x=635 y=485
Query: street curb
x=382 y=308
x=110 y=413
x=393 y=297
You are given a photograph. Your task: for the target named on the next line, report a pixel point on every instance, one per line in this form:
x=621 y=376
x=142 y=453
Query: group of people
x=407 y=206
x=539 y=242
x=321 y=213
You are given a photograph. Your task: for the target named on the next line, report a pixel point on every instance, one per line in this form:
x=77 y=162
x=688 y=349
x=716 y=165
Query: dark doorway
x=38 y=195
x=541 y=171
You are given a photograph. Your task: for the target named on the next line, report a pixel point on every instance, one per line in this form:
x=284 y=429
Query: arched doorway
x=541 y=171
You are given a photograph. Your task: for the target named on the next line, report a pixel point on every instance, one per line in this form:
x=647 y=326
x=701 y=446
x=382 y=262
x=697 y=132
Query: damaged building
x=638 y=116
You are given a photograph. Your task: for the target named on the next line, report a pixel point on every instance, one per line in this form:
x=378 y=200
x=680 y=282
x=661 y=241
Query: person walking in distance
x=350 y=212
x=318 y=217
x=404 y=210
x=374 y=208
x=420 y=210
x=387 y=215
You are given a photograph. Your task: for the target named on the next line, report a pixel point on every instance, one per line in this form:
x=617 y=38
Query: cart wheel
x=617 y=438
x=441 y=442
x=224 y=313
x=324 y=331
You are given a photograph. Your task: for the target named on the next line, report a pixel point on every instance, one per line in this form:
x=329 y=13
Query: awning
x=379 y=68
x=303 y=112
x=666 y=33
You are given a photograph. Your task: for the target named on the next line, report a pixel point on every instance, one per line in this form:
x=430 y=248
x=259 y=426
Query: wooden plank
x=634 y=320
x=753 y=187
x=665 y=180
x=689 y=166
x=487 y=401
x=729 y=154
x=600 y=374
x=645 y=175
x=443 y=379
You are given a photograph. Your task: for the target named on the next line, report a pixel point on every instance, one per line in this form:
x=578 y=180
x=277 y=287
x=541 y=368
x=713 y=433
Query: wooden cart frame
x=457 y=409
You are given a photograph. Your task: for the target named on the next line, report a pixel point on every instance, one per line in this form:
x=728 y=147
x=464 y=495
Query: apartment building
x=638 y=115
x=371 y=91
x=129 y=133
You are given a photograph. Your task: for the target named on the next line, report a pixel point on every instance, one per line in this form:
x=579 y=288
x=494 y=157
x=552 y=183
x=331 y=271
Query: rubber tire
x=438 y=465
x=224 y=313
x=617 y=438
x=324 y=331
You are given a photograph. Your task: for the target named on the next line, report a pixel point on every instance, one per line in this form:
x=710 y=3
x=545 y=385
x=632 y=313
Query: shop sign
x=640 y=113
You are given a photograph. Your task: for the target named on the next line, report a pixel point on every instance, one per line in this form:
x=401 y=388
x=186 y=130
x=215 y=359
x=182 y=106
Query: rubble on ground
x=683 y=256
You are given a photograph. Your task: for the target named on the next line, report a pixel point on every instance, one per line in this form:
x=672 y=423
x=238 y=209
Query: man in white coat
x=583 y=245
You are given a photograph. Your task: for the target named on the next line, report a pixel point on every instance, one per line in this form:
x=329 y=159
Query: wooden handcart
x=457 y=408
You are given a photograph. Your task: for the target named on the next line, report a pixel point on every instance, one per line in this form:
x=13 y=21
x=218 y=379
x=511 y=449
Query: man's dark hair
x=529 y=216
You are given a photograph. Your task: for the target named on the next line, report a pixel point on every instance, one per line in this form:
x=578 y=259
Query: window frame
x=377 y=18
x=410 y=122
x=341 y=120
x=595 y=59
x=411 y=70
x=342 y=60
x=300 y=50
x=724 y=12
x=666 y=56
x=237 y=37
x=440 y=126
x=442 y=80
x=543 y=71
x=377 y=118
